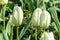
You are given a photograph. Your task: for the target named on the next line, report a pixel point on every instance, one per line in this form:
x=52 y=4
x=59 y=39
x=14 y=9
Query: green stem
x=37 y=3
x=36 y=34
x=17 y=33
x=11 y=34
x=44 y=8
x=4 y=22
x=53 y=3
x=3 y=14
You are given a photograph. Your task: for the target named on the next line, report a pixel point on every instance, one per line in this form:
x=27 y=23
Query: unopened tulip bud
x=45 y=19
x=36 y=17
x=47 y=36
x=2 y=2
x=17 y=16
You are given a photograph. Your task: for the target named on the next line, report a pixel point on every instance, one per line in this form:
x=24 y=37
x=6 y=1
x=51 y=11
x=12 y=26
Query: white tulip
x=17 y=16
x=45 y=19
x=3 y=2
x=47 y=36
x=36 y=17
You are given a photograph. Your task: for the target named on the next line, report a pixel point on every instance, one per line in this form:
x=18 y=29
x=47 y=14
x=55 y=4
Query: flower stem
x=17 y=33
x=3 y=14
x=44 y=8
x=36 y=33
x=11 y=34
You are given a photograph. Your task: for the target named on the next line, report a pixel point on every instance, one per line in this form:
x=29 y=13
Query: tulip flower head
x=47 y=36
x=36 y=17
x=17 y=16
x=45 y=19
x=3 y=2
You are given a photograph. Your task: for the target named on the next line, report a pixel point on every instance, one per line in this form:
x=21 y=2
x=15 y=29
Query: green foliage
x=26 y=31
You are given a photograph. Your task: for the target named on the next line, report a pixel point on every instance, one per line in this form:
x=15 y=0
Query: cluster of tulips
x=40 y=18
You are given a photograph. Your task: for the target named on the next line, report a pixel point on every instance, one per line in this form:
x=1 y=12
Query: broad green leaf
x=46 y=1
x=24 y=29
x=5 y=35
x=1 y=36
x=8 y=26
x=56 y=2
x=22 y=3
x=55 y=18
x=54 y=25
x=29 y=5
x=9 y=9
x=58 y=9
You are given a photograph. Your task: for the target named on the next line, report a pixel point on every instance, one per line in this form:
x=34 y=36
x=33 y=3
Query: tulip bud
x=45 y=19
x=36 y=17
x=3 y=2
x=47 y=36
x=17 y=16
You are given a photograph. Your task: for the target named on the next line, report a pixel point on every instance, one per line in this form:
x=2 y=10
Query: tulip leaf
x=8 y=26
x=1 y=27
x=1 y=36
x=3 y=10
x=1 y=19
x=29 y=38
x=29 y=5
x=54 y=25
x=22 y=4
x=56 y=2
x=55 y=18
x=58 y=9
x=24 y=29
x=5 y=35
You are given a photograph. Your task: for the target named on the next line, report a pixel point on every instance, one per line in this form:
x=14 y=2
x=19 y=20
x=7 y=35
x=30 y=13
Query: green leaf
x=29 y=5
x=22 y=3
x=8 y=26
x=24 y=29
x=56 y=2
x=29 y=38
x=55 y=18
x=58 y=9
x=1 y=19
x=54 y=25
x=1 y=36
x=1 y=27
x=3 y=11
x=9 y=9
x=5 y=35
